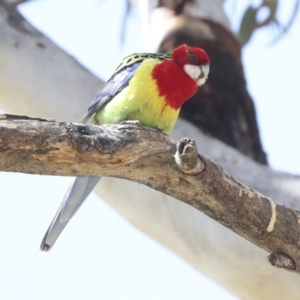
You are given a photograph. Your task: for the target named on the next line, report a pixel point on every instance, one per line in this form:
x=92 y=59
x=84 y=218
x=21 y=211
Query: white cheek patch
x=198 y=73
x=193 y=71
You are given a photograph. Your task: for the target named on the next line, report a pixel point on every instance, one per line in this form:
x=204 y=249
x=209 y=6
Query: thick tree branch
x=146 y=156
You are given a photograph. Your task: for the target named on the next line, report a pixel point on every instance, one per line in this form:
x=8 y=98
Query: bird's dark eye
x=193 y=58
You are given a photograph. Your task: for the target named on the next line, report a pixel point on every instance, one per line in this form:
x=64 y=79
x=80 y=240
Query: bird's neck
x=173 y=83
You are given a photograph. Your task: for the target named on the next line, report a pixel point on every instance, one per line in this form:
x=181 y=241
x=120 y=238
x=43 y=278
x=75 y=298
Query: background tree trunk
x=223 y=107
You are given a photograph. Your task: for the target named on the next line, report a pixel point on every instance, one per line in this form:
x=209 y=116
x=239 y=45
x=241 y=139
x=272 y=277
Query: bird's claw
x=159 y=130
x=131 y=122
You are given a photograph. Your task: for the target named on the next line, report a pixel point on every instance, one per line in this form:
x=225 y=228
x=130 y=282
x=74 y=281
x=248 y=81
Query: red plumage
x=170 y=74
x=174 y=97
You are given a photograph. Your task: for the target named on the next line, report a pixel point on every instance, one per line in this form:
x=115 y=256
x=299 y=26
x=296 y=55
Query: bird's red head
x=194 y=61
x=186 y=55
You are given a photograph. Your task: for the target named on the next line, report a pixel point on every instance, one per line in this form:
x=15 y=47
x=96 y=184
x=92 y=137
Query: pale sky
x=124 y=263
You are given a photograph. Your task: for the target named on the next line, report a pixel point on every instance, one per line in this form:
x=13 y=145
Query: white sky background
x=100 y=255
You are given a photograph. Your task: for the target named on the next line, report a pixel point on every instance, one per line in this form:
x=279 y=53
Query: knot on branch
x=281 y=260
x=104 y=139
x=82 y=139
x=186 y=157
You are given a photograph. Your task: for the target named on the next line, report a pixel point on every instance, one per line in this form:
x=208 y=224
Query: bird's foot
x=131 y=122
x=159 y=130
x=137 y=122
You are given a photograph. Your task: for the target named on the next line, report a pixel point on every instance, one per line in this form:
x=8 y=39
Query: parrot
x=146 y=87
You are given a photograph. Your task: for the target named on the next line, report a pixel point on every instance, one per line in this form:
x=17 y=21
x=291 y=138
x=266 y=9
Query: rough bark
x=149 y=157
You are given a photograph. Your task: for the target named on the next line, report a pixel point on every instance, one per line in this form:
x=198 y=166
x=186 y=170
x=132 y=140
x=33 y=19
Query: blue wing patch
x=113 y=86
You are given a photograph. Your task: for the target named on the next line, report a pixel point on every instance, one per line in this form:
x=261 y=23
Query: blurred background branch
x=39 y=78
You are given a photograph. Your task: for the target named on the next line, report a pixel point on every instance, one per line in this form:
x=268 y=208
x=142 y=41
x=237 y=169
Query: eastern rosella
x=148 y=87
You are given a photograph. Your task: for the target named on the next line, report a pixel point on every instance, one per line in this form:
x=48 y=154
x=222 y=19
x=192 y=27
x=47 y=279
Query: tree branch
x=149 y=157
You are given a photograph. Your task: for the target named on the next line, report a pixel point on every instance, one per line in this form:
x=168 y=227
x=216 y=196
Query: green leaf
x=248 y=25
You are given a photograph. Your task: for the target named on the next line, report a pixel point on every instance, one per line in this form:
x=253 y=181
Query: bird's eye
x=193 y=58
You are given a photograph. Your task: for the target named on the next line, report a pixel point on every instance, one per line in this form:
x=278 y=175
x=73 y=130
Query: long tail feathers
x=75 y=196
